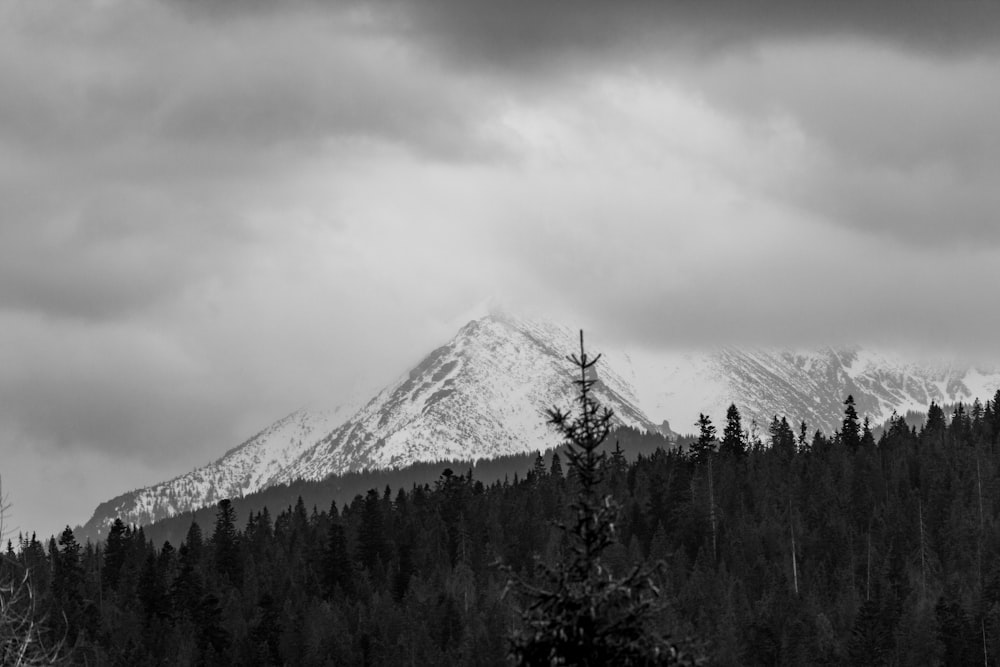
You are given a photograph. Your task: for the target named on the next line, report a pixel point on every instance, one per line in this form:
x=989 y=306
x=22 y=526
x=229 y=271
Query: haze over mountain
x=483 y=394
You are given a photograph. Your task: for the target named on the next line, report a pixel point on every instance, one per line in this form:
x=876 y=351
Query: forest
x=796 y=548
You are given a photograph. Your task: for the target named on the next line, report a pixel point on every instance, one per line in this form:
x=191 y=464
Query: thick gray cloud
x=135 y=143
x=521 y=31
x=895 y=100
x=900 y=144
x=214 y=213
x=522 y=35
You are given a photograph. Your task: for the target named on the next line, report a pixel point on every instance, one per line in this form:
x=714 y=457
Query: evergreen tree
x=732 y=436
x=703 y=448
x=580 y=614
x=996 y=416
x=372 y=546
x=67 y=581
x=188 y=587
x=537 y=472
x=870 y=638
x=555 y=469
x=337 y=567
x=195 y=542
x=225 y=543
x=850 y=432
x=115 y=550
x=935 y=424
x=152 y=590
x=867 y=438
x=782 y=437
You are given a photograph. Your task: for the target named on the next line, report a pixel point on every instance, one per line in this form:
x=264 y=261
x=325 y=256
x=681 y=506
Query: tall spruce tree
x=555 y=469
x=703 y=448
x=225 y=541
x=935 y=423
x=580 y=613
x=732 y=436
x=67 y=581
x=850 y=432
x=115 y=551
x=996 y=416
x=372 y=546
x=782 y=437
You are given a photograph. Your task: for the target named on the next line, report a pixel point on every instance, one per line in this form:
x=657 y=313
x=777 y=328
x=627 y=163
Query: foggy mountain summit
x=477 y=396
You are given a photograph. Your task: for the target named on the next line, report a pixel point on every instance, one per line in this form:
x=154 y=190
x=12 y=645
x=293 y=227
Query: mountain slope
x=802 y=385
x=480 y=396
x=244 y=469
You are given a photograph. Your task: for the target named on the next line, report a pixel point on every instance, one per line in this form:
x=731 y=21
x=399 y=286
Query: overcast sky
x=210 y=217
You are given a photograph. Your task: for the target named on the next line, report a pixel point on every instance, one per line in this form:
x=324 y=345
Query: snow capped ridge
x=808 y=385
x=246 y=468
x=483 y=394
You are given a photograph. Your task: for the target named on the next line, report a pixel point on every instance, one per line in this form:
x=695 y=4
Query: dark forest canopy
x=343 y=488
x=829 y=549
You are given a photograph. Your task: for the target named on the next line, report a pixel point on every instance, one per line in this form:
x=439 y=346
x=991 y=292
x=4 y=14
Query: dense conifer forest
x=796 y=548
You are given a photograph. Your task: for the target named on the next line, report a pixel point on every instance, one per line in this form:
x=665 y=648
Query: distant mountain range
x=482 y=395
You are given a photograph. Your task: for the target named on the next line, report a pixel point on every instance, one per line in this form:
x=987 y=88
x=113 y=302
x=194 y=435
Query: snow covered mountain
x=802 y=385
x=244 y=469
x=483 y=393
x=480 y=396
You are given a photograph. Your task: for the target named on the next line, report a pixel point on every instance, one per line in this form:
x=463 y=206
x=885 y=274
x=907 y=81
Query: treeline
x=812 y=549
x=343 y=488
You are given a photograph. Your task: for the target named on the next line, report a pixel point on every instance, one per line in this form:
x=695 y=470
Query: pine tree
x=803 y=432
x=703 y=448
x=152 y=590
x=194 y=541
x=188 y=587
x=850 y=432
x=67 y=581
x=537 y=472
x=935 y=424
x=372 y=547
x=225 y=541
x=732 y=436
x=555 y=469
x=580 y=614
x=996 y=416
x=337 y=567
x=115 y=550
x=782 y=437
x=867 y=437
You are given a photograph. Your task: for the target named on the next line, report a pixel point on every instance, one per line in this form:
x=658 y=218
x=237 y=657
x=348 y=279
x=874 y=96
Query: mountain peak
x=483 y=394
x=480 y=395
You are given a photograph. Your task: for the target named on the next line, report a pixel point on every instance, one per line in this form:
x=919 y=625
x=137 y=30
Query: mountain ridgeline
x=822 y=549
x=477 y=398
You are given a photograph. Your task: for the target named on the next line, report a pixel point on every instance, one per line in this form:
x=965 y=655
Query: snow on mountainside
x=244 y=469
x=483 y=394
x=802 y=385
x=480 y=396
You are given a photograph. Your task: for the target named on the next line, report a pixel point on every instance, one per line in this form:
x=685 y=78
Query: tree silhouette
x=579 y=613
x=704 y=447
x=851 y=430
x=733 y=443
x=225 y=540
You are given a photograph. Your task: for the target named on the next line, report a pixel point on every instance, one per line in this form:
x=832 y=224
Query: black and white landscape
x=252 y=252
